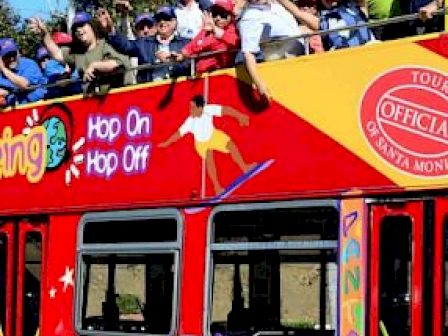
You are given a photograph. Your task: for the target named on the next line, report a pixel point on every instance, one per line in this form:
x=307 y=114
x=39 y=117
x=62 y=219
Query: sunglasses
x=142 y=26
x=162 y=17
x=219 y=12
x=11 y=54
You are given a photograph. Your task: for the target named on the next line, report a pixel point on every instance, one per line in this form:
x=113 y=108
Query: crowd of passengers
x=98 y=51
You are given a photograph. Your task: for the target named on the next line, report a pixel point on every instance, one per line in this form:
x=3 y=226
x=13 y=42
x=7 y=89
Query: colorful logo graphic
x=56 y=141
x=404 y=117
x=56 y=120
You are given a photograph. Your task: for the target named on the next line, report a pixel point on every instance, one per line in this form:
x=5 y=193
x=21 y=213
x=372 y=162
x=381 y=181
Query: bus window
x=130 y=293
x=32 y=283
x=395 y=275
x=129 y=276
x=274 y=270
x=3 y=265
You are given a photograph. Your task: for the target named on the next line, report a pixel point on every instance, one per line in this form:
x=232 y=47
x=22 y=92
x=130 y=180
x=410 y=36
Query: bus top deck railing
x=266 y=43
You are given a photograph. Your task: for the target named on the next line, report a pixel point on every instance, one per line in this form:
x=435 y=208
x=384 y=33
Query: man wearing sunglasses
x=18 y=74
x=218 y=34
x=163 y=47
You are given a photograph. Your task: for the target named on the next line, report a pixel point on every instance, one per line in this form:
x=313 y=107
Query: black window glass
x=131 y=293
x=131 y=231
x=267 y=288
x=32 y=283
x=276 y=224
x=395 y=275
x=3 y=277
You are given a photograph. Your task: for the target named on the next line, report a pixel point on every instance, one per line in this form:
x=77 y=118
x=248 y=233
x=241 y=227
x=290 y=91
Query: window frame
x=298 y=245
x=83 y=249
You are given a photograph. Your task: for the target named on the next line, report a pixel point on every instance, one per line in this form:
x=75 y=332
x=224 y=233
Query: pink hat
x=61 y=38
x=224 y=4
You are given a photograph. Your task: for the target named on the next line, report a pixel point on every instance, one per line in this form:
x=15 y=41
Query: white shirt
x=264 y=22
x=201 y=127
x=189 y=20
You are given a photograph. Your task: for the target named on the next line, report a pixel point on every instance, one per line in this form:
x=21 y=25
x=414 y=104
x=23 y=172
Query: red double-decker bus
x=198 y=208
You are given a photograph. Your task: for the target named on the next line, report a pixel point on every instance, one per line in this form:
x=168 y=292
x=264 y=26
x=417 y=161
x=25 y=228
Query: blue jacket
x=145 y=49
x=30 y=70
x=55 y=71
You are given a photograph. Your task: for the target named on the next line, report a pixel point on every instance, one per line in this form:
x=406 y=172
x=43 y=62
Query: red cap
x=224 y=4
x=61 y=38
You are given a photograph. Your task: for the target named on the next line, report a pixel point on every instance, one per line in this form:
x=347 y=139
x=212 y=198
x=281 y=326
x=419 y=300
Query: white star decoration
x=67 y=278
x=52 y=292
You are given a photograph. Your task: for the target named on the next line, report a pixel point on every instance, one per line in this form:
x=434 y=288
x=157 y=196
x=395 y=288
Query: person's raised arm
x=17 y=80
x=251 y=66
x=308 y=19
x=39 y=27
x=243 y=119
x=172 y=139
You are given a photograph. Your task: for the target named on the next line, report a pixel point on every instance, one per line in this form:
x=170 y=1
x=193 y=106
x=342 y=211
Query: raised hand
x=207 y=22
x=37 y=26
x=105 y=20
x=123 y=6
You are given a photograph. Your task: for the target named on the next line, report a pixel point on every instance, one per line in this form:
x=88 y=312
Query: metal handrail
x=193 y=59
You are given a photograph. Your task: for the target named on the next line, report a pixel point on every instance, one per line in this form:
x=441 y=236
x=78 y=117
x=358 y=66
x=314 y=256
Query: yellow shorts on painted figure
x=218 y=142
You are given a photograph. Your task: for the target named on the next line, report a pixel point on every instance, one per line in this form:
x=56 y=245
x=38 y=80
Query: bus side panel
x=193 y=269
x=58 y=301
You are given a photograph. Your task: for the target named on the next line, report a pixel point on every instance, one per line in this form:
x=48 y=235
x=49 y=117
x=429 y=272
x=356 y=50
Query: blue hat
x=7 y=45
x=41 y=53
x=164 y=12
x=81 y=18
x=144 y=17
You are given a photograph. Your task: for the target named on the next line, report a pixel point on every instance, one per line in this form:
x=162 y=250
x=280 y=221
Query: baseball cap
x=166 y=12
x=61 y=38
x=227 y=5
x=144 y=17
x=41 y=53
x=7 y=45
x=80 y=19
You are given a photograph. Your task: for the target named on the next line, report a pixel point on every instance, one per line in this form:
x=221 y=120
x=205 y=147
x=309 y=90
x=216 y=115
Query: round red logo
x=404 y=117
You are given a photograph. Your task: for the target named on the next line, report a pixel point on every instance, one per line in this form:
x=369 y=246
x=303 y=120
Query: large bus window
x=32 y=283
x=129 y=275
x=274 y=270
x=130 y=293
x=395 y=275
x=3 y=268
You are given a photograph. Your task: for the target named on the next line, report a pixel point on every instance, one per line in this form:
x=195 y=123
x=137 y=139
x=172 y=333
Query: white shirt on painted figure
x=201 y=127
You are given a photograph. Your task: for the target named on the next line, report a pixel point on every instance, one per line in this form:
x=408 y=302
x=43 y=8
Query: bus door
x=21 y=255
x=440 y=278
x=396 y=268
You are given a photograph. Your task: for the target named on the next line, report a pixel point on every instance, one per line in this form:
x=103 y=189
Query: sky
x=42 y=8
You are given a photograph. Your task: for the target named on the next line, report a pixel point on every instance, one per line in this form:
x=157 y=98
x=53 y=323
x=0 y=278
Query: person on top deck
x=92 y=56
x=54 y=70
x=17 y=75
x=263 y=20
x=189 y=18
x=218 y=33
x=164 y=47
x=142 y=47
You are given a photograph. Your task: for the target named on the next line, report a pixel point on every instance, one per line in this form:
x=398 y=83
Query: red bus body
x=336 y=129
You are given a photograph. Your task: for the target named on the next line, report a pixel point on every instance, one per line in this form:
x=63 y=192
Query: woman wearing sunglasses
x=218 y=33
